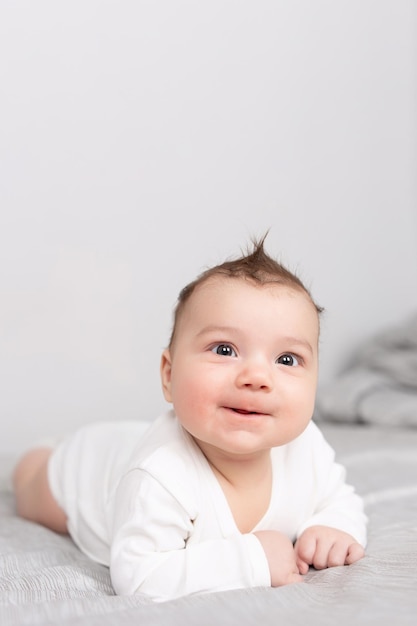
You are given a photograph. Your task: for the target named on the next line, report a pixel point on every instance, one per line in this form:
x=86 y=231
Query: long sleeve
x=153 y=549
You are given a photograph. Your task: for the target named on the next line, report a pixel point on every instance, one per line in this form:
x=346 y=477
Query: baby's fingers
x=304 y=550
x=303 y=567
x=342 y=554
x=312 y=550
x=337 y=554
x=355 y=552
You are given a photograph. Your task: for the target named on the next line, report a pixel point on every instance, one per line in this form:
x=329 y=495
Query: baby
x=235 y=486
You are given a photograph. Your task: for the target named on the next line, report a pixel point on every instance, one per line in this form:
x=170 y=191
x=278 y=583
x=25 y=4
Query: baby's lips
x=246 y=411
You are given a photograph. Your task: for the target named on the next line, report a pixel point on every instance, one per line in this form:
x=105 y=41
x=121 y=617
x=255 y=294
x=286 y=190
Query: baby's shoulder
x=167 y=453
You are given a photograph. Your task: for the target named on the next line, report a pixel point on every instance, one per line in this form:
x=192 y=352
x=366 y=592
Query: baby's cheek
x=190 y=394
x=305 y=402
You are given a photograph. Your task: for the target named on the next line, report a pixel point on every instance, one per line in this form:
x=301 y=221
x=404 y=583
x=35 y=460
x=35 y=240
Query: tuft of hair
x=255 y=265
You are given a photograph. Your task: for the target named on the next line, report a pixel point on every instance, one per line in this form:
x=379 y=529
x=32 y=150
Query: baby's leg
x=34 y=499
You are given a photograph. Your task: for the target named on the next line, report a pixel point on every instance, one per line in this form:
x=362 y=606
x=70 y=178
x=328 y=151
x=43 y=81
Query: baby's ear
x=166 y=374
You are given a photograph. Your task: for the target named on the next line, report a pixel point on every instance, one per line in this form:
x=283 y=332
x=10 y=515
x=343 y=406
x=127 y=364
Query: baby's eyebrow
x=297 y=341
x=293 y=342
x=215 y=329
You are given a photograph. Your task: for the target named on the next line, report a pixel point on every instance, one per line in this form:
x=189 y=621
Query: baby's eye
x=224 y=349
x=288 y=359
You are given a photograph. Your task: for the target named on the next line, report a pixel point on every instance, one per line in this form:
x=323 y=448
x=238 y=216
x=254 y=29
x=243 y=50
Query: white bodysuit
x=142 y=499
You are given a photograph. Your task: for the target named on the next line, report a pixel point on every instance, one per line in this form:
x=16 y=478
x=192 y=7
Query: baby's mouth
x=244 y=411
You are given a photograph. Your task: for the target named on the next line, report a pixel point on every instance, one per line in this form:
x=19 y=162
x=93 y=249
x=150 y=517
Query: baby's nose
x=255 y=375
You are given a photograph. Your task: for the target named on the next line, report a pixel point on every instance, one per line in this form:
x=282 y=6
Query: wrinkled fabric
x=381 y=386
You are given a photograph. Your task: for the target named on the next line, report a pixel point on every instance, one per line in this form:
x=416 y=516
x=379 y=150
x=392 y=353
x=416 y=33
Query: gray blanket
x=45 y=579
x=380 y=386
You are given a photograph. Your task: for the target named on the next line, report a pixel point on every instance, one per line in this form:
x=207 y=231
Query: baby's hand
x=322 y=546
x=281 y=557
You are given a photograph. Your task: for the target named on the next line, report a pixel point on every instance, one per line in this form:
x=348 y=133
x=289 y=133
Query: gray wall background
x=141 y=141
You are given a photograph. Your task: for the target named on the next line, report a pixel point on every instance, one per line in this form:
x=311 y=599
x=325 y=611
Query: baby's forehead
x=221 y=290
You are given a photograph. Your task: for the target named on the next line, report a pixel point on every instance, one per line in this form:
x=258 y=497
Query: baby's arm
x=160 y=549
x=322 y=546
x=335 y=531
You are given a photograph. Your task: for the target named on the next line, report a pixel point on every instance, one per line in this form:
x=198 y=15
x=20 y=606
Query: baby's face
x=242 y=373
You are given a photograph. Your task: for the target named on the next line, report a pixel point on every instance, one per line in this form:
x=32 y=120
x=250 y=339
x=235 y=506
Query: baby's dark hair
x=255 y=266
